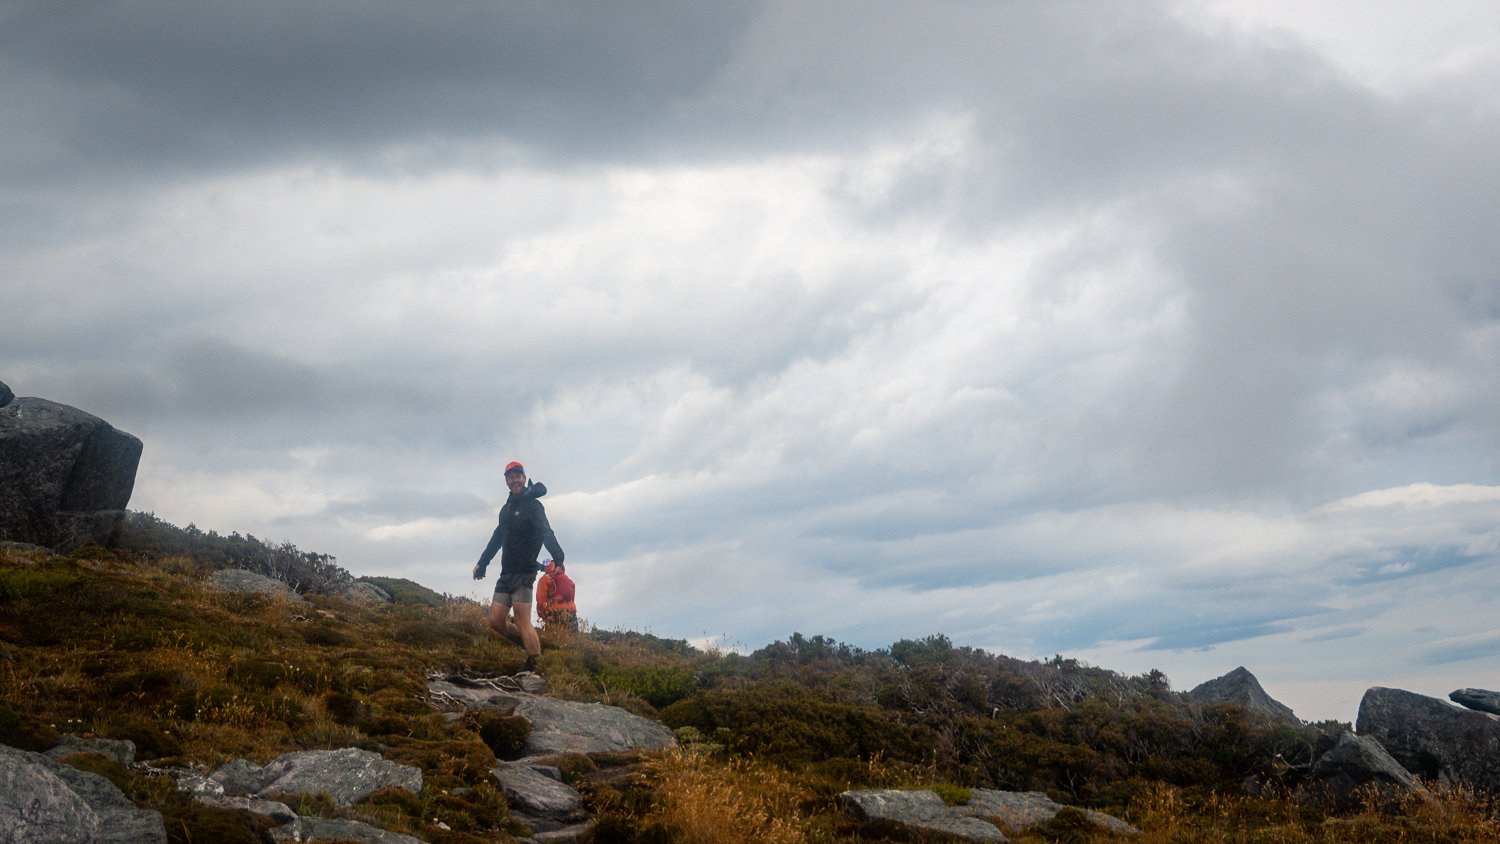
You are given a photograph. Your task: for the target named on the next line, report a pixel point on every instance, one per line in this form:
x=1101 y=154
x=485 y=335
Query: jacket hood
x=535 y=489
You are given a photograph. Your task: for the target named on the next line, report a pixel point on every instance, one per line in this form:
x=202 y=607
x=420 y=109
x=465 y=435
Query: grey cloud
x=1335 y=634
x=256 y=400
x=1412 y=561
x=165 y=87
x=1171 y=624
x=1461 y=649
x=408 y=504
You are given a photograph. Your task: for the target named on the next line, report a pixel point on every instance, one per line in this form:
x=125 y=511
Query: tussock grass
x=702 y=800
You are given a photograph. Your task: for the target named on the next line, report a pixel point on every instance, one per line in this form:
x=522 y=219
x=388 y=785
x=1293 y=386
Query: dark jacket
x=522 y=531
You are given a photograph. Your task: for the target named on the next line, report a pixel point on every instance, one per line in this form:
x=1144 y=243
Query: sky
x=1159 y=335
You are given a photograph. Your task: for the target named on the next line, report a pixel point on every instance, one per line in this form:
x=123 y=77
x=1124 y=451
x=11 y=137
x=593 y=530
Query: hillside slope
x=131 y=644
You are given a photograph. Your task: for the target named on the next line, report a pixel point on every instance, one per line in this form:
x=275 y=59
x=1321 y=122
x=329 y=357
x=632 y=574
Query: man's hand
x=478 y=572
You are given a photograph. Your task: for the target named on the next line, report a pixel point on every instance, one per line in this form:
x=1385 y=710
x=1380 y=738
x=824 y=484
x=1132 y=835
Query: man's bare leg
x=529 y=640
x=501 y=624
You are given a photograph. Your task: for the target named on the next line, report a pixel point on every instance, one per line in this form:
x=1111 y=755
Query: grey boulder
x=917 y=810
x=1357 y=765
x=240 y=580
x=1433 y=738
x=45 y=801
x=535 y=793
x=362 y=592
x=65 y=475
x=1479 y=700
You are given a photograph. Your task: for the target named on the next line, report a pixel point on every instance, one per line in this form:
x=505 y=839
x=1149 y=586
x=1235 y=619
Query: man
x=554 y=598
x=521 y=532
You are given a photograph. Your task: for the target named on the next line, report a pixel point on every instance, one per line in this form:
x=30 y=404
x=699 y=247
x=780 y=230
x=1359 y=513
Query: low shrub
x=504 y=734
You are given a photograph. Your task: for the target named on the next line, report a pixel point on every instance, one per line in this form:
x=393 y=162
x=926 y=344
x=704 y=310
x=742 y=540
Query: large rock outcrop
x=1240 y=686
x=65 y=475
x=45 y=801
x=1433 y=738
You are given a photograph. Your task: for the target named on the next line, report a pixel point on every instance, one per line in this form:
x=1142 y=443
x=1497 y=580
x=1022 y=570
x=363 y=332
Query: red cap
x=513 y=466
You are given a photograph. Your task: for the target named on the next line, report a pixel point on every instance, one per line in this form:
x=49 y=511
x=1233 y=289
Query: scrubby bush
x=403 y=591
x=145 y=534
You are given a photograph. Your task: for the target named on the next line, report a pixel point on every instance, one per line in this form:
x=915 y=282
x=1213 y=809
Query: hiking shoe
x=530 y=667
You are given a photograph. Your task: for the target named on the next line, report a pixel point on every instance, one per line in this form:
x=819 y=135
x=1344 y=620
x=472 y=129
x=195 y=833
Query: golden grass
x=1168 y=815
x=739 y=801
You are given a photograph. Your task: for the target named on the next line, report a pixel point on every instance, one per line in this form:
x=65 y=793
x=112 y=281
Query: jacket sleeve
x=496 y=540
x=549 y=539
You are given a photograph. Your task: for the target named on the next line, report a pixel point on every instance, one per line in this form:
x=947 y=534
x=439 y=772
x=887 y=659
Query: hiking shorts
x=512 y=589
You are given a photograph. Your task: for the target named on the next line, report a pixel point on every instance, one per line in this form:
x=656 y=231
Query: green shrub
x=433 y=633
x=658 y=685
x=344 y=708
x=404 y=591
x=953 y=795
x=25 y=732
x=792 y=724
x=504 y=734
x=42 y=582
x=326 y=634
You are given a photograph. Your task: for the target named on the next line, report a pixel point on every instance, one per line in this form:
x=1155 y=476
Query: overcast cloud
x=1160 y=335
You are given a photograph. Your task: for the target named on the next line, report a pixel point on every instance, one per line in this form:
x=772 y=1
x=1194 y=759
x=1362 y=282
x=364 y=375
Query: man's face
x=516 y=481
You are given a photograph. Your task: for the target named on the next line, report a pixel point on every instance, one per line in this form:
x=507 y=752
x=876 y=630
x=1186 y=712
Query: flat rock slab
x=566 y=835
x=924 y=810
x=333 y=829
x=557 y=726
x=918 y=810
x=1019 y=810
x=565 y=726
x=281 y=813
x=347 y=775
x=456 y=692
